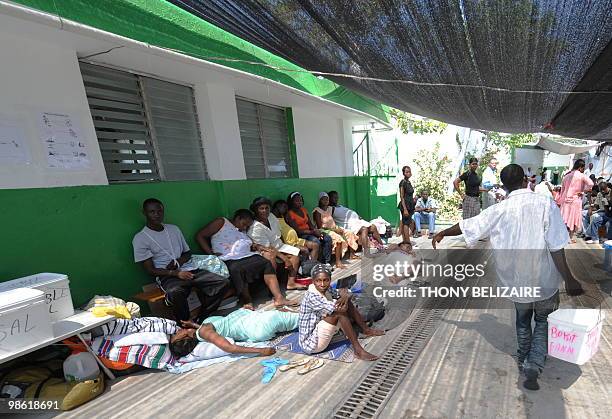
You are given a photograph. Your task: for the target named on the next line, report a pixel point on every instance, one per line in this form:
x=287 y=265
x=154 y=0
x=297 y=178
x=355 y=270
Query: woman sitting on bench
x=265 y=231
x=229 y=241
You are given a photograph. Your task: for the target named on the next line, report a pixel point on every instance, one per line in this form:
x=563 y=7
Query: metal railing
x=361 y=157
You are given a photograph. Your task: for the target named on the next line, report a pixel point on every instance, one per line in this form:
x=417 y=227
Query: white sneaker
x=590 y=242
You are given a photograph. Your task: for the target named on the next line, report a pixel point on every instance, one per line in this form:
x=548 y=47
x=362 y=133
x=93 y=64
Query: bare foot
x=373 y=332
x=354 y=256
x=364 y=355
x=248 y=306
x=285 y=302
x=340 y=266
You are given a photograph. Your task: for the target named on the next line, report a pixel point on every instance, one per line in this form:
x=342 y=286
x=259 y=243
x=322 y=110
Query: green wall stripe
x=86 y=231
x=165 y=25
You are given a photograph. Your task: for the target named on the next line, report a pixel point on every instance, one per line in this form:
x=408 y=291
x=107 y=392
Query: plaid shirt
x=313 y=308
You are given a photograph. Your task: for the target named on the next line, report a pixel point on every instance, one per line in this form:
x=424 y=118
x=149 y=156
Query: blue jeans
x=586 y=220
x=425 y=217
x=533 y=343
x=598 y=219
x=325 y=244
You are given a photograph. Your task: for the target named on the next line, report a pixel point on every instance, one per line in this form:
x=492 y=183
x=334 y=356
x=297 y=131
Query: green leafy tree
x=409 y=123
x=434 y=175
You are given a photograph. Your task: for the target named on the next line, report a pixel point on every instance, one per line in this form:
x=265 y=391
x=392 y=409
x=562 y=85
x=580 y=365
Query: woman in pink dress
x=574 y=184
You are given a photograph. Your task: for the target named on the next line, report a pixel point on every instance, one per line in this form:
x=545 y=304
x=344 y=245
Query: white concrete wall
x=216 y=104
x=35 y=78
x=40 y=73
x=529 y=158
x=554 y=160
x=320 y=145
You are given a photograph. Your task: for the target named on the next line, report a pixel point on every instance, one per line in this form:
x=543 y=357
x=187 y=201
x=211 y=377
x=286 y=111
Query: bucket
x=81 y=366
x=574 y=334
x=608 y=255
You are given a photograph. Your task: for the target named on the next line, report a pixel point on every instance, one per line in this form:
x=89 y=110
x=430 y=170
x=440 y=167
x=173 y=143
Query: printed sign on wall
x=13 y=148
x=64 y=145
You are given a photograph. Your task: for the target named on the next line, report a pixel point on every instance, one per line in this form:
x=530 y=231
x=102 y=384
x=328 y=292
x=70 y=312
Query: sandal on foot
x=293 y=364
x=313 y=364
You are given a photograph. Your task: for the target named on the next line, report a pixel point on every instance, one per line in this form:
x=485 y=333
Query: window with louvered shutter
x=147 y=129
x=265 y=142
x=175 y=129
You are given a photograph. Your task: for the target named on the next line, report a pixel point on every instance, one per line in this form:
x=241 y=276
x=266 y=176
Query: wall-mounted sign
x=63 y=141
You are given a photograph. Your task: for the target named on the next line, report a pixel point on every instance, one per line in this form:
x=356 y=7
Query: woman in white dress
x=229 y=241
x=265 y=231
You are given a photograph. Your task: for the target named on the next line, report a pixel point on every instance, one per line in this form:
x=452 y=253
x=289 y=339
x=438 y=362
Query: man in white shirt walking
x=526 y=226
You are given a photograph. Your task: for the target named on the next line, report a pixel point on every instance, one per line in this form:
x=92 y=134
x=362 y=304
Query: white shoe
x=590 y=242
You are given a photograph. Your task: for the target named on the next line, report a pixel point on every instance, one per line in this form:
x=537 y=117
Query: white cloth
x=179 y=367
x=524 y=227
x=142 y=338
x=349 y=219
x=271 y=237
x=542 y=189
x=231 y=243
x=381 y=224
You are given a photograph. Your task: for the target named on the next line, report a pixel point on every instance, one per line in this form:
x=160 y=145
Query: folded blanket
x=148 y=356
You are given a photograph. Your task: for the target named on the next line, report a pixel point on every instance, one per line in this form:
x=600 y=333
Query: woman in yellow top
x=289 y=235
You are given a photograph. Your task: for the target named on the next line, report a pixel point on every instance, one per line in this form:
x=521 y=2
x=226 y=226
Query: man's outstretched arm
x=451 y=231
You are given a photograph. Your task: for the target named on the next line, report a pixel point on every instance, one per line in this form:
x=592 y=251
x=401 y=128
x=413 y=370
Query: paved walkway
x=466 y=370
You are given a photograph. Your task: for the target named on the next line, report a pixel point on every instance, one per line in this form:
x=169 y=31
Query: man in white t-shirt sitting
x=348 y=219
x=425 y=211
x=165 y=255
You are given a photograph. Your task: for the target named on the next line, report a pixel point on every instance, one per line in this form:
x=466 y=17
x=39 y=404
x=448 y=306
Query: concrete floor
x=465 y=370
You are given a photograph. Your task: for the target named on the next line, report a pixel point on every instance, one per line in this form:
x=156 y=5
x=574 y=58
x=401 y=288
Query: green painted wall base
x=86 y=231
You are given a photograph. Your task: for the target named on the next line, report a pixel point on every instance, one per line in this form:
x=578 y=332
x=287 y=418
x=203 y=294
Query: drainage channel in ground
x=378 y=384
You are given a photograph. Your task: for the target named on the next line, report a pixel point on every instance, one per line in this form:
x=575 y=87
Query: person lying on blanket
x=182 y=341
x=320 y=316
x=242 y=326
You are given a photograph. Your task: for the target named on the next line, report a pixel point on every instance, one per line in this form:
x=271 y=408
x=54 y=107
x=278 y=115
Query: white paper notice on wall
x=64 y=144
x=13 y=149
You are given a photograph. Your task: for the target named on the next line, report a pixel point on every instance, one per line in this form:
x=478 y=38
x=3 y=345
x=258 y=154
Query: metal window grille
x=265 y=142
x=147 y=129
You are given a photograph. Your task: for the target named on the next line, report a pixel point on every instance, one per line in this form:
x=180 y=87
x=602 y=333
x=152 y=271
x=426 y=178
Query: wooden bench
x=155 y=298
